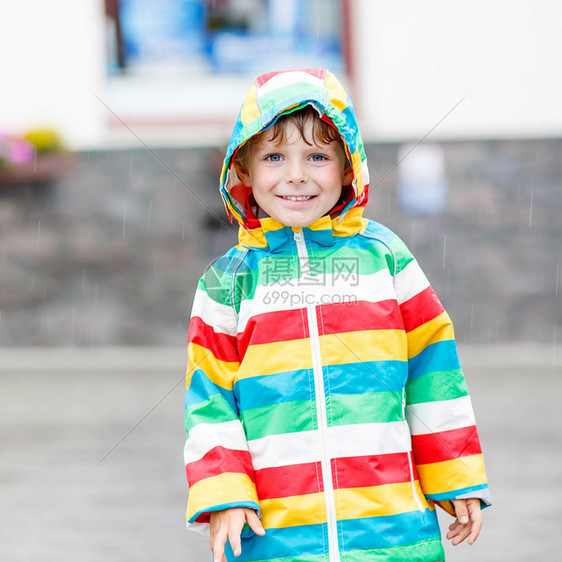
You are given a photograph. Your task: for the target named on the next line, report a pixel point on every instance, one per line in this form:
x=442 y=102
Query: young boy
x=326 y=410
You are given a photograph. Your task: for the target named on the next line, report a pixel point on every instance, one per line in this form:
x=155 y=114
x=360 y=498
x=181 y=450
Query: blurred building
x=175 y=71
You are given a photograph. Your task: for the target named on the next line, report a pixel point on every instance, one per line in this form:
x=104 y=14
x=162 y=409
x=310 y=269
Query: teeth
x=297 y=198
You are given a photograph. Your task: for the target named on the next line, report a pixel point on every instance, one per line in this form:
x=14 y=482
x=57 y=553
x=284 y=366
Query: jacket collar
x=272 y=235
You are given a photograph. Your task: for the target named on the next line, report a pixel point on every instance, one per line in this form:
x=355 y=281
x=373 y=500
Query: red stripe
x=356 y=472
x=269 y=327
x=421 y=308
x=222 y=346
x=217 y=461
x=359 y=316
x=446 y=445
x=292 y=480
x=264 y=78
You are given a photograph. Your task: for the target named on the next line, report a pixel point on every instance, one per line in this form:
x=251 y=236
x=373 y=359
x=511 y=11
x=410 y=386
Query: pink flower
x=20 y=152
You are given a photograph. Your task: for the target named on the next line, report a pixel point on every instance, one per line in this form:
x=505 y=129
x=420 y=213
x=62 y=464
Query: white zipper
x=409 y=453
x=321 y=414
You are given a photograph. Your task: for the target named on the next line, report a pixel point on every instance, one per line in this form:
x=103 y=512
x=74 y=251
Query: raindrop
x=129 y=290
x=557 y=280
x=149 y=212
x=489 y=333
x=531 y=209
x=38 y=231
x=72 y=325
x=444 y=250
x=124 y=219
x=131 y=167
x=554 y=346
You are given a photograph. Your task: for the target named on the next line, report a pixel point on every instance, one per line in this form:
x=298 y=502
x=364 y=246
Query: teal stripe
x=215 y=409
x=426 y=550
x=286 y=417
x=373 y=407
x=439 y=385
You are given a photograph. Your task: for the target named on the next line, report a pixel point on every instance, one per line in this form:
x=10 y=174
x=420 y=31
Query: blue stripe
x=266 y=390
x=220 y=507
x=368 y=376
x=282 y=543
x=440 y=356
x=389 y=530
x=454 y=494
x=201 y=388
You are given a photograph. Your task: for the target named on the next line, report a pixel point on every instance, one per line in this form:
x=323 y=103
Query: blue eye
x=273 y=157
x=318 y=158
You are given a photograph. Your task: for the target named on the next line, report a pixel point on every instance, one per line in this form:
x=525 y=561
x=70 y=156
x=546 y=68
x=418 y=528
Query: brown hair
x=322 y=133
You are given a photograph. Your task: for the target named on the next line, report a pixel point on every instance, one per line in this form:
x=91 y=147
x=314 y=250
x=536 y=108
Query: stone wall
x=110 y=254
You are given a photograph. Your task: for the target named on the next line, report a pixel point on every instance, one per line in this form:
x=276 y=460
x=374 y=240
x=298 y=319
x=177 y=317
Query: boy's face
x=292 y=181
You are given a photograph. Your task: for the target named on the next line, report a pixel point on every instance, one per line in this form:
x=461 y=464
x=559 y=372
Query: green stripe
x=286 y=417
x=426 y=550
x=371 y=407
x=279 y=96
x=436 y=385
x=401 y=252
x=215 y=408
x=218 y=286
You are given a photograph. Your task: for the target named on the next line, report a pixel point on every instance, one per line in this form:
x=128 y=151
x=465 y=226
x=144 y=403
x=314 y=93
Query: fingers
x=217 y=546
x=254 y=522
x=468 y=522
x=226 y=525
x=476 y=519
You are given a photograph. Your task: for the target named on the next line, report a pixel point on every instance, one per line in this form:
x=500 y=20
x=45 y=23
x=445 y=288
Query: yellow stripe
x=228 y=487
x=276 y=357
x=307 y=509
x=336 y=93
x=436 y=330
x=351 y=224
x=440 y=477
x=375 y=501
x=219 y=372
x=365 y=345
x=250 y=110
x=254 y=237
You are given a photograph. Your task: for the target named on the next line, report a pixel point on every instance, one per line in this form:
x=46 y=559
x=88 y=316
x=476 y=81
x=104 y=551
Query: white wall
x=51 y=60
x=416 y=60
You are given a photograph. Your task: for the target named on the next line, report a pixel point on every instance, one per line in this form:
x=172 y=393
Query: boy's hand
x=227 y=525
x=468 y=522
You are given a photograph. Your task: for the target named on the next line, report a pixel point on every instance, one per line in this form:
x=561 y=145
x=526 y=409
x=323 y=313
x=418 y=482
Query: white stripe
x=410 y=281
x=319 y=289
x=288 y=78
x=285 y=449
x=219 y=316
x=361 y=439
x=353 y=440
x=442 y=415
x=206 y=436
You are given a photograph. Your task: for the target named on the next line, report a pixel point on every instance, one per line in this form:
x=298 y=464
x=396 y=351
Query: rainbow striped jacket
x=323 y=384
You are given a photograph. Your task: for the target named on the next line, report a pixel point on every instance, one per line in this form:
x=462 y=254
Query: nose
x=296 y=173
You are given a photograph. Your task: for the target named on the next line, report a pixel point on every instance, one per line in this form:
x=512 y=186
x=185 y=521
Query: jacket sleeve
x=217 y=462
x=445 y=442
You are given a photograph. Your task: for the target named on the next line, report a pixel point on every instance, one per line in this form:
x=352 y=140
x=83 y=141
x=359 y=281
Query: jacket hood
x=275 y=94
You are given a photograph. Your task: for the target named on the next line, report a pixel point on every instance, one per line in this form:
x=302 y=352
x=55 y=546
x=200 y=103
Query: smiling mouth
x=297 y=197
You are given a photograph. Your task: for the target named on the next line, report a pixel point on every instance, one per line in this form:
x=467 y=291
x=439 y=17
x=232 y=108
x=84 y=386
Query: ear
x=243 y=174
x=348 y=175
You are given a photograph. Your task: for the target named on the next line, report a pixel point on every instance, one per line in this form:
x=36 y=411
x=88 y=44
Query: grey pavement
x=91 y=454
